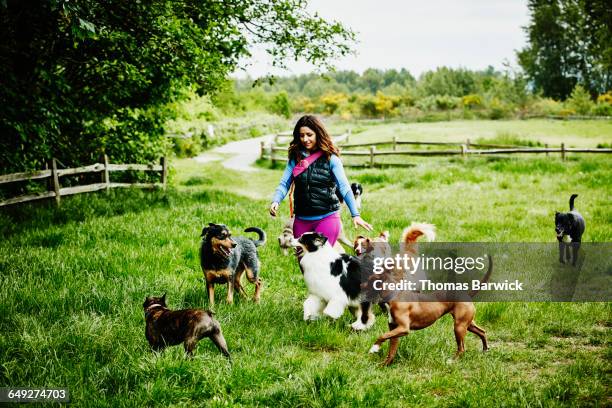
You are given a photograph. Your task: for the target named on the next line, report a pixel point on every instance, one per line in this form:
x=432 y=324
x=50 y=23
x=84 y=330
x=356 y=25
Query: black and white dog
x=569 y=227
x=357 y=193
x=333 y=281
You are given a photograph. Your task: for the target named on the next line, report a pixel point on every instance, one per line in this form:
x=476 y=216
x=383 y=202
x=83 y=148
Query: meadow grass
x=73 y=280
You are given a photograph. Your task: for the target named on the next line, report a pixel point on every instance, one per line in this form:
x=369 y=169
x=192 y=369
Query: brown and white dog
x=165 y=327
x=425 y=309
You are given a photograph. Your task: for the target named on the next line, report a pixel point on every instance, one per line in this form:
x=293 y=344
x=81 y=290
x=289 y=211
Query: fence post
x=164 y=175
x=372 y=148
x=56 y=186
x=463 y=151
x=546 y=147
x=467 y=144
x=105 y=175
x=394 y=143
x=272 y=158
x=563 y=151
x=50 y=178
x=262 y=149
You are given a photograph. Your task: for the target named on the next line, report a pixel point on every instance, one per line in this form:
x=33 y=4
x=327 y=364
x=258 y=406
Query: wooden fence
x=57 y=191
x=464 y=149
x=285 y=137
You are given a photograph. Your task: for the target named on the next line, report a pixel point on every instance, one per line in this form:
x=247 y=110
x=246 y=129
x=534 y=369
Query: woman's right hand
x=273 y=209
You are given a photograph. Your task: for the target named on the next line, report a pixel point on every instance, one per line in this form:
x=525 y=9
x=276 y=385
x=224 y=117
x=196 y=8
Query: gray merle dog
x=224 y=259
x=569 y=227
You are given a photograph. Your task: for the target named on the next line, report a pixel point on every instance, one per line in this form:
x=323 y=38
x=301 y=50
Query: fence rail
x=55 y=190
x=269 y=151
x=284 y=138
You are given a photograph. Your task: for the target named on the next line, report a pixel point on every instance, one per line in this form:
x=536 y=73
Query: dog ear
x=204 y=231
x=163 y=299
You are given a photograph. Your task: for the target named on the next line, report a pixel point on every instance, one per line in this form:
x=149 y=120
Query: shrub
x=445 y=102
x=602 y=109
x=605 y=98
x=498 y=109
x=426 y=104
x=471 y=101
x=332 y=101
x=580 y=101
x=280 y=105
x=545 y=106
x=187 y=147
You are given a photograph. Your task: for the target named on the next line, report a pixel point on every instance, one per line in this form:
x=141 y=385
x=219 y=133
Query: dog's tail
x=260 y=232
x=572 y=198
x=416 y=230
x=485 y=279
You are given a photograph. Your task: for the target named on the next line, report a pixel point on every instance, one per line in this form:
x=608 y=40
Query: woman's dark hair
x=324 y=141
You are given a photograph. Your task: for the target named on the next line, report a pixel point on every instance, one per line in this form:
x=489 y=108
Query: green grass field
x=73 y=281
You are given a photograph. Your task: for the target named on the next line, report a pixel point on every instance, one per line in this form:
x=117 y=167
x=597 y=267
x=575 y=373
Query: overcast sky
x=419 y=35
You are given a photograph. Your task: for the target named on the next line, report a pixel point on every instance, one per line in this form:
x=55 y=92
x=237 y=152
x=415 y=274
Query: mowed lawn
x=73 y=281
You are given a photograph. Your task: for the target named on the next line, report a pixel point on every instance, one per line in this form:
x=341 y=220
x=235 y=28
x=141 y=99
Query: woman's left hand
x=358 y=221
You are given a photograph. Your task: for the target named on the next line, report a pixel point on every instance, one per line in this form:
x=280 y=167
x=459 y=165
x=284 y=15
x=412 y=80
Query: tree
x=83 y=77
x=281 y=105
x=569 y=43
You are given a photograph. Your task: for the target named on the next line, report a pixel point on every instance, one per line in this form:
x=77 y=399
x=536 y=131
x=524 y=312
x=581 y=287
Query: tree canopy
x=81 y=77
x=570 y=43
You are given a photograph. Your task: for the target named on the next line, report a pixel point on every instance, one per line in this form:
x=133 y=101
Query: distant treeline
x=447 y=92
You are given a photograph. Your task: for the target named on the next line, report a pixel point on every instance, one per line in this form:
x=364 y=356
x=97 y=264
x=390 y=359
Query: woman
x=316 y=170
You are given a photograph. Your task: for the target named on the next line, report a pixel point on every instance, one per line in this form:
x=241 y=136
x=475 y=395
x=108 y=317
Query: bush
x=445 y=102
x=545 y=107
x=332 y=101
x=426 y=104
x=187 y=147
x=605 y=98
x=580 y=101
x=602 y=109
x=281 y=106
x=471 y=101
x=499 y=109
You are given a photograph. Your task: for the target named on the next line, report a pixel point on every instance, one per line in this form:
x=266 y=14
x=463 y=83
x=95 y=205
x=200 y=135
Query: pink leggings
x=329 y=226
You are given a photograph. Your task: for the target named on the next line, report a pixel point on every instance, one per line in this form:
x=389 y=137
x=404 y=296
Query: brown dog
x=425 y=309
x=169 y=328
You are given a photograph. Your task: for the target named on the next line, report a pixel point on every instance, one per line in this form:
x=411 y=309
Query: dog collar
x=148 y=309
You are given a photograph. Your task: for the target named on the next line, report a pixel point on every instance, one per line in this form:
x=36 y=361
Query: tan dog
x=425 y=309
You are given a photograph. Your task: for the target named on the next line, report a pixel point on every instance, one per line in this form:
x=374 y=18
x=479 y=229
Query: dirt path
x=238 y=155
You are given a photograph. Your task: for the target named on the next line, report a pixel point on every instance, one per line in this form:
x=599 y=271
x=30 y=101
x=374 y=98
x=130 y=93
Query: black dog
x=357 y=193
x=224 y=259
x=569 y=227
x=169 y=328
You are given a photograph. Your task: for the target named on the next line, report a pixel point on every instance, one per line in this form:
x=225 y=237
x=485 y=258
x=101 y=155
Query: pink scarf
x=299 y=169
x=304 y=163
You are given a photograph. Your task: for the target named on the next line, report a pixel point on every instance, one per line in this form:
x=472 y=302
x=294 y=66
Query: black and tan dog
x=225 y=259
x=169 y=328
x=569 y=227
